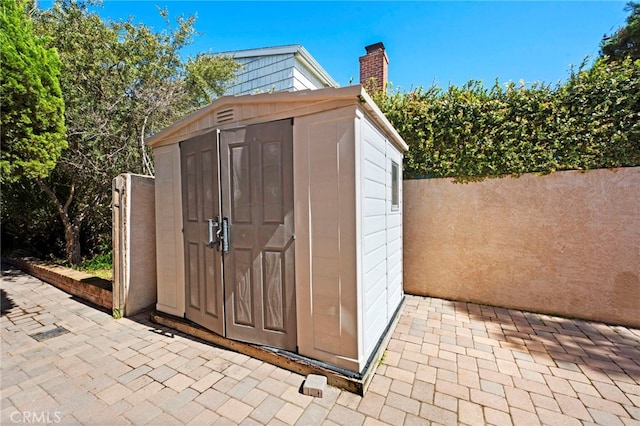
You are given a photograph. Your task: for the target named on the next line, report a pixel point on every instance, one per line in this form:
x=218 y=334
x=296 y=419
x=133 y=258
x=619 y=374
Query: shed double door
x=238 y=184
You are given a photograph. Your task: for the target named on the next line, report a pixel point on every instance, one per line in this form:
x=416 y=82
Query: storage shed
x=279 y=221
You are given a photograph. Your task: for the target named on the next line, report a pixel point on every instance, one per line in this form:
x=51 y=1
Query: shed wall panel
x=376 y=190
x=374 y=172
x=374 y=239
x=374 y=223
x=324 y=187
x=169 y=245
x=345 y=162
x=394 y=234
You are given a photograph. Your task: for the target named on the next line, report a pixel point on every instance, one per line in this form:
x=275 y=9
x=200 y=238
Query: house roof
x=295 y=49
x=248 y=109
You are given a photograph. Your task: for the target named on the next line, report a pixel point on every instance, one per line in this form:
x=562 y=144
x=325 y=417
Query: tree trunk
x=71 y=227
x=72 y=242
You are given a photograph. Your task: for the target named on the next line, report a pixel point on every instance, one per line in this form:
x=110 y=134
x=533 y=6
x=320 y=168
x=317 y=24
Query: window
x=395 y=186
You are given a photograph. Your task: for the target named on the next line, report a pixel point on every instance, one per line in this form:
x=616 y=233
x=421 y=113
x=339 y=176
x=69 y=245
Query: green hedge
x=471 y=132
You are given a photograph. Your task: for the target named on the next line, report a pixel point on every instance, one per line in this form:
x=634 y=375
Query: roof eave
x=355 y=92
x=378 y=116
x=263 y=51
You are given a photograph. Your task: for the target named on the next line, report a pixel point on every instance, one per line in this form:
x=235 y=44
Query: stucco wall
x=567 y=243
x=134 y=280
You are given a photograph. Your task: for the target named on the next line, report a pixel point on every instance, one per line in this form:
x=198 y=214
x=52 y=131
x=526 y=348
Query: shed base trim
x=350 y=381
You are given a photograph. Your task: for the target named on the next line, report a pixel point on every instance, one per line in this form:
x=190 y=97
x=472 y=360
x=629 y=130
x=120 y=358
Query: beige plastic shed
x=279 y=222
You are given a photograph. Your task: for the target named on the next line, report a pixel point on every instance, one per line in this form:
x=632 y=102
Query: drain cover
x=58 y=331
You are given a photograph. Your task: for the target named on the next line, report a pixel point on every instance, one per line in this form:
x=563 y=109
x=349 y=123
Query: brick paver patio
x=447 y=363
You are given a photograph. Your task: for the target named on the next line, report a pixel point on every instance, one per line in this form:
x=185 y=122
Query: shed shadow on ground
x=9 y=274
x=7 y=303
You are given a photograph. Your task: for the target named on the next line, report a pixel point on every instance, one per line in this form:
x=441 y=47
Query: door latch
x=214 y=236
x=219 y=234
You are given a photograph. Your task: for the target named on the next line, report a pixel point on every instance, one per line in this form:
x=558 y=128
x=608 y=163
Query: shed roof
x=273 y=106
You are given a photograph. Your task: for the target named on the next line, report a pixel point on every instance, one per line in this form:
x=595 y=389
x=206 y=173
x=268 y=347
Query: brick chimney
x=373 y=68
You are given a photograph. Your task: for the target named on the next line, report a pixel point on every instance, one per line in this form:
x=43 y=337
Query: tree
x=471 y=132
x=626 y=41
x=32 y=124
x=121 y=82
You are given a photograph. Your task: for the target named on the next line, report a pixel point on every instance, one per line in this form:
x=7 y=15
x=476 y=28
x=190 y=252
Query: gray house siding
x=276 y=69
x=263 y=74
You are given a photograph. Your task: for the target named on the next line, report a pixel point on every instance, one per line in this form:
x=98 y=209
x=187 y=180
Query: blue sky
x=427 y=42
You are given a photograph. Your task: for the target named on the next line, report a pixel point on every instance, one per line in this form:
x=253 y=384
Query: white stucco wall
x=134 y=283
